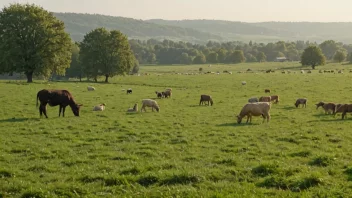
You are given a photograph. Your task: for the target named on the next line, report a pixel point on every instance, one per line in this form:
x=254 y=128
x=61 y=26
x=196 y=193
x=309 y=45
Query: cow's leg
x=44 y=110
x=200 y=102
x=40 y=110
x=247 y=118
x=63 y=111
x=343 y=114
x=60 y=107
x=152 y=108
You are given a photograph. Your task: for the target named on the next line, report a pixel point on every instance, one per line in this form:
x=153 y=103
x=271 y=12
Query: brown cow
x=255 y=109
x=267 y=90
x=265 y=99
x=302 y=101
x=327 y=106
x=344 y=108
x=57 y=97
x=274 y=98
x=206 y=98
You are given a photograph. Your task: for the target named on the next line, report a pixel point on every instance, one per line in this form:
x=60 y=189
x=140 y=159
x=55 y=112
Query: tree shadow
x=331 y=120
x=323 y=115
x=18 y=120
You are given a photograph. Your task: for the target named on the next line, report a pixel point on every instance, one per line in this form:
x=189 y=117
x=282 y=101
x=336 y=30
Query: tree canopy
x=313 y=56
x=33 y=41
x=106 y=53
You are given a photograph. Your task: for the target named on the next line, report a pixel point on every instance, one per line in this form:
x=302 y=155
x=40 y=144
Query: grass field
x=185 y=150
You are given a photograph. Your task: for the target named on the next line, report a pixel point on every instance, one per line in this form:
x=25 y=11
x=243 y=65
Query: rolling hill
x=201 y=31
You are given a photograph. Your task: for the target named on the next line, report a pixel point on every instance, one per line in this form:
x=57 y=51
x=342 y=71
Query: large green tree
x=313 y=56
x=105 y=53
x=261 y=57
x=33 y=41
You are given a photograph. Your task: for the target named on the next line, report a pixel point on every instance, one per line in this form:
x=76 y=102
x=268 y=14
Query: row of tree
x=169 y=52
x=34 y=42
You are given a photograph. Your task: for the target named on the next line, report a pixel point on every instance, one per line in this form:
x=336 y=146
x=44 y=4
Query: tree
x=340 y=55
x=250 y=58
x=329 y=48
x=261 y=57
x=75 y=70
x=106 y=53
x=185 y=59
x=33 y=41
x=200 y=59
x=349 y=57
x=135 y=68
x=238 y=56
x=212 y=57
x=313 y=56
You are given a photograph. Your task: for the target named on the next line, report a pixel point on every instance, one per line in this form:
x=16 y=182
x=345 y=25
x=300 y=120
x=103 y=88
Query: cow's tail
x=37 y=99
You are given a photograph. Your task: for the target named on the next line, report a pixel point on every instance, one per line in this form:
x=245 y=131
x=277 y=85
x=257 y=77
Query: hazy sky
x=233 y=10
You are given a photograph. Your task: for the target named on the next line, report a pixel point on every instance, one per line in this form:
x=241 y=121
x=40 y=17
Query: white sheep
x=150 y=103
x=90 y=88
x=99 y=107
x=302 y=72
x=244 y=83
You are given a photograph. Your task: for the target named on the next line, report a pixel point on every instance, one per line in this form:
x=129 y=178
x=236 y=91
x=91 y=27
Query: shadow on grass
x=18 y=120
x=331 y=120
x=289 y=108
x=235 y=124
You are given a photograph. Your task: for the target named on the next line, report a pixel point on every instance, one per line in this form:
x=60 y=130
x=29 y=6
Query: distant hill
x=201 y=31
x=79 y=24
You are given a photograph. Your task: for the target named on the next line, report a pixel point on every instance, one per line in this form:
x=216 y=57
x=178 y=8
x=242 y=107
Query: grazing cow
x=100 y=107
x=337 y=110
x=90 y=88
x=159 y=94
x=309 y=71
x=301 y=101
x=327 y=106
x=134 y=109
x=129 y=91
x=274 y=98
x=267 y=90
x=255 y=109
x=206 y=98
x=167 y=93
x=265 y=99
x=251 y=100
x=345 y=108
x=150 y=103
x=57 y=97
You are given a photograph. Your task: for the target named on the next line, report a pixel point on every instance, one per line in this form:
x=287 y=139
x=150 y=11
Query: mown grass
x=185 y=150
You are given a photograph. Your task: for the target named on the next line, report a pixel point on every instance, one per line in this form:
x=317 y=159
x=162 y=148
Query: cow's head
x=76 y=108
x=320 y=104
x=239 y=119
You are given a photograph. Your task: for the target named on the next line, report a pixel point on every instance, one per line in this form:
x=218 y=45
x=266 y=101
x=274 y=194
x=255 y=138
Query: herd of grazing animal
x=254 y=107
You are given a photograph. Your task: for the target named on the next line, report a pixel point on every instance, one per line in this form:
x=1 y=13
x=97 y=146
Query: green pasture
x=185 y=150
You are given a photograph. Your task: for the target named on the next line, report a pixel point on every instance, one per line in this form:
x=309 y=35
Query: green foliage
x=185 y=59
x=340 y=55
x=212 y=57
x=261 y=57
x=200 y=59
x=105 y=53
x=135 y=68
x=33 y=41
x=237 y=57
x=329 y=48
x=313 y=56
x=75 y=70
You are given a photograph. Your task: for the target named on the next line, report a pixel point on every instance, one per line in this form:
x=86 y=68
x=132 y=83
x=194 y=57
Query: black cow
x=57 y=97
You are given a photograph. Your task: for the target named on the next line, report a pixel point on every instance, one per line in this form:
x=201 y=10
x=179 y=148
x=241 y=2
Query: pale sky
x=232 y=10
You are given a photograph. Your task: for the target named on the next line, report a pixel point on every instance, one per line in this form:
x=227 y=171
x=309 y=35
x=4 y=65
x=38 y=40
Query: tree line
x=170 y=52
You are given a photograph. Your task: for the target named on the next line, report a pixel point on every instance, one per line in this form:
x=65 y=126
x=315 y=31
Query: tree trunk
x=29 y=76
x=80 y=78
x=95 y=79
x=313 y=66
x=106 y=78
